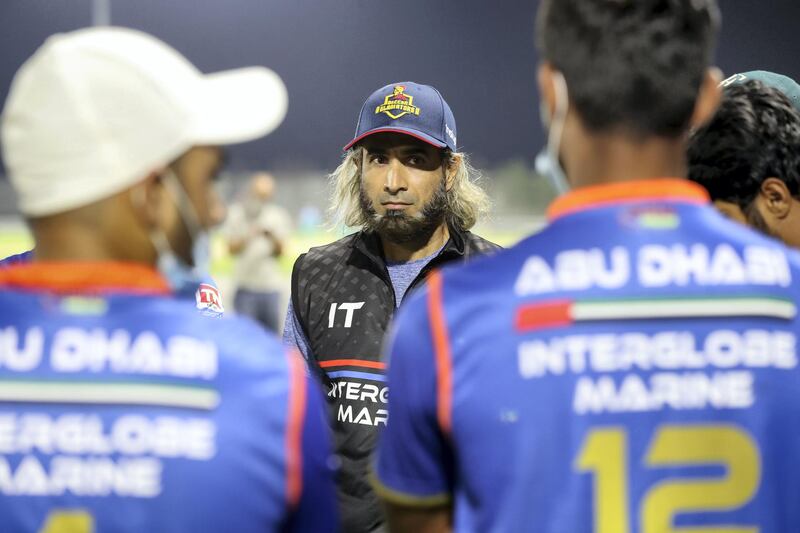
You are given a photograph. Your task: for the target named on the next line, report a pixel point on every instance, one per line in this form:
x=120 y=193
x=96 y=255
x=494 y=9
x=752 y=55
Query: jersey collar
x=656 y=190
x=369 y=244
x=65 y=277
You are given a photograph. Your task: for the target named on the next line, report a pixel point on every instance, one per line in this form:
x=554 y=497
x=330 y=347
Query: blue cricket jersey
x=631 y=368
x=124 y=410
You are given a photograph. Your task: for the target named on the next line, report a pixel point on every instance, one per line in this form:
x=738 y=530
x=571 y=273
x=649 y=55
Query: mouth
x=394 y=205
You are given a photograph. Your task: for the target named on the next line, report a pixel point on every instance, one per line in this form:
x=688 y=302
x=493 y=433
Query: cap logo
x=736 y=78
x=398 y=104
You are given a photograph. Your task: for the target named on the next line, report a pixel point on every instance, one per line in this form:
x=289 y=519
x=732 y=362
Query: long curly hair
x=467 y=202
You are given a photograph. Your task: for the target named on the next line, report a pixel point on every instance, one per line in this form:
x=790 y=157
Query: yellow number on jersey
x=63 y=521
x=701 y=445
x=605 y=453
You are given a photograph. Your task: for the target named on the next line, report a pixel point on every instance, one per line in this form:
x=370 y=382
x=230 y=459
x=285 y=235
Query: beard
x=401 y=228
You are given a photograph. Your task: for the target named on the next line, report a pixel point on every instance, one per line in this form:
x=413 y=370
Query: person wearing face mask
x=111 y=140
x=633 y=366
x=414 y=197
x=256 y=230
x=185 y=279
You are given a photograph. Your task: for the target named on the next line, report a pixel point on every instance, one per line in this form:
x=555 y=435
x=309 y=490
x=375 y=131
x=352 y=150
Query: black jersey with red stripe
x=343 y=298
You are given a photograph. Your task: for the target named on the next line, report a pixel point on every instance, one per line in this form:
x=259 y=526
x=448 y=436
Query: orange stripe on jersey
x=674 y=189
x=441 y=345
x=84 y=277
x=353 y=362
x=294 y=428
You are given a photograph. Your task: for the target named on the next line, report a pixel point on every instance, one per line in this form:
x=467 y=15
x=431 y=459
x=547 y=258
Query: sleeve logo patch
x=208 y=299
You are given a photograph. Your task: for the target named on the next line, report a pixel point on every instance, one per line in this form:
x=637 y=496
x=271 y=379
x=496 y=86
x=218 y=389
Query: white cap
x=94 y=111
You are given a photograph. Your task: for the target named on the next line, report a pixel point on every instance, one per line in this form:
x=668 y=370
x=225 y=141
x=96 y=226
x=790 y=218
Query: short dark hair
x=635 y=66
x=754 y=135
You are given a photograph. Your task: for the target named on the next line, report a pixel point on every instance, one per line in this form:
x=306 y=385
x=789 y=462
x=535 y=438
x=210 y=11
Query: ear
x=146 y=199
x=547 y=90
x=776 y=198
x=451 y=170
x=708 y=98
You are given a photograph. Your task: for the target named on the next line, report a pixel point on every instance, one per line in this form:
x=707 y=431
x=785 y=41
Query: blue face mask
x=548 y=163
x=552 y=171
x=183 y=278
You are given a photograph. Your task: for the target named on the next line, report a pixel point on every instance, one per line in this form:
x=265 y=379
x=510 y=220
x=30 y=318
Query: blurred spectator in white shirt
x=256 y=231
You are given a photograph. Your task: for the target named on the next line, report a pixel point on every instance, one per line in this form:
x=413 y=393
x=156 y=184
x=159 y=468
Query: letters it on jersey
x=346 y=309
x=359 y=403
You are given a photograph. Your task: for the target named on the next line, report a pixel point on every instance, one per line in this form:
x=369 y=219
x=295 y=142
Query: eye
x=416 y=160
x=378 y=159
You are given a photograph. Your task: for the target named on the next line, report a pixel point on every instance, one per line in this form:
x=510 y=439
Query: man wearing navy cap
x=748 y=156
x=413 y=196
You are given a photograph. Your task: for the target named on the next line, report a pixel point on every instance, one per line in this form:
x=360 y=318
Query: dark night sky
x=333 y=53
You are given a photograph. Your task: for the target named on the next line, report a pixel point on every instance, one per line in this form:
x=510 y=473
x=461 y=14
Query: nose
x=395 y=177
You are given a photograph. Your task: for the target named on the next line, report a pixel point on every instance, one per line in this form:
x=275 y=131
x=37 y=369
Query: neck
x=64 y=238
x=615 y=158
x=412 y=250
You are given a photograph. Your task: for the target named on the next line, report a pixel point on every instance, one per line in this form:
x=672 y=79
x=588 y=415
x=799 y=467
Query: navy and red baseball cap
x=410 y=108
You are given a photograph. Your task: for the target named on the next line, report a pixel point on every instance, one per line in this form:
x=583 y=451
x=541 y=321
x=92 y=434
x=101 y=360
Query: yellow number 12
x=605 y=453
x=72 y=521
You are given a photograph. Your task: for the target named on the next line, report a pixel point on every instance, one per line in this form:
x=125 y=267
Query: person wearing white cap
x=120 y=408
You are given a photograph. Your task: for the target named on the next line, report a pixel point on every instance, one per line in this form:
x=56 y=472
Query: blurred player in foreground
x=632 y=368
x=256 y=230
x=413 y=195
x=120 y=408
x=748 y=156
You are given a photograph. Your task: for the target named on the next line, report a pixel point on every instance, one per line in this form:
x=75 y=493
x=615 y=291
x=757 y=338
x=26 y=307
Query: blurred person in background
x=634 y=366
x=256 y=231
x=748 y=156
x=111 y=141
x=413 y=198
